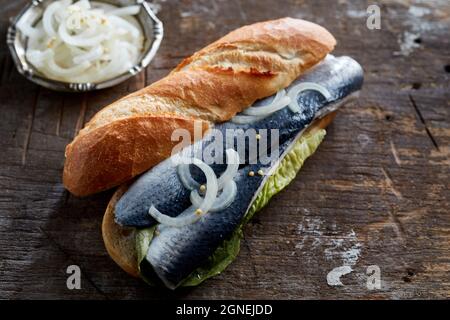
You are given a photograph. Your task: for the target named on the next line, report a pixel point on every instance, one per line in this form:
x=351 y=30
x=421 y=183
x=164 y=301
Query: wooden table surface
x=375 y=193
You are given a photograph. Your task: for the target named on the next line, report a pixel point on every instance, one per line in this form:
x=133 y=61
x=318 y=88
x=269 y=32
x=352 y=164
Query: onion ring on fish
x=232 y=167
x=269 y=109
x=280 y=101
x=212 y=188
x=188 y=217
x=305 y=86
x=223 y=201
x=209 y=203
x=186 y=178
x=246 y=119
x=231 y=170
x=276 y=104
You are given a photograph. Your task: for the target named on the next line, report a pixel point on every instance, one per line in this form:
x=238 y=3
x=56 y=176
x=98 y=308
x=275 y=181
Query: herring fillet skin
x=161 y=186
x=175 y=252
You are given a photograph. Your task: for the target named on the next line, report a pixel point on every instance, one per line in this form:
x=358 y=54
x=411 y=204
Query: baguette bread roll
x=133 y=134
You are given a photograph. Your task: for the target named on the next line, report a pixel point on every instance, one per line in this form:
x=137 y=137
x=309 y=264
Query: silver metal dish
x=17 y=43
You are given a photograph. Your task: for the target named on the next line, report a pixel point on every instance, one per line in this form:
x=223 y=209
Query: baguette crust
x=116 y=152
x=133 y=134
x=120 y=241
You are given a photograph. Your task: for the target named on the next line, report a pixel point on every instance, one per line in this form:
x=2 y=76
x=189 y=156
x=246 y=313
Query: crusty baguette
x=133 y=134
x=120 y=241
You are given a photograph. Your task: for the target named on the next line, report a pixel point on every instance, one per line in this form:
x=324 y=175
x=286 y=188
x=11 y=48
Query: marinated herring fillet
x=161 y=186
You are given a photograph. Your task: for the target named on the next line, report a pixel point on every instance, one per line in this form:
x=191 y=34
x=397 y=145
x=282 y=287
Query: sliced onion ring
x=93 y=54
x=223 y=201
x=212 y=187
x=122 y=23
x=79 y=40
x=225 y=182
x=253 y=114
x=47 y=18
x=246 y=119
x=66 y=72
x=28 y=30
x=277 y=97
x=84 y=4
x=232 y=167
x=81 y=32
x=186 y=178
x=125 y=11
x=38 y=58
x=305 y=86
x=276 y=105
x=118 y=64
x=187 y=217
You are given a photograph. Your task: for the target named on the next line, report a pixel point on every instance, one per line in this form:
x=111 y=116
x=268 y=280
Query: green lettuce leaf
x=288 y=168
x=143 y=239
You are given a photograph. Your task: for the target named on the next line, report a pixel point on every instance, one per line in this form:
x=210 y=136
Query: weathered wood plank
x=376 y=192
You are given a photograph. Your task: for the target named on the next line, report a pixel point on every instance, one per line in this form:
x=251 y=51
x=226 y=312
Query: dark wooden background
x=376 y=192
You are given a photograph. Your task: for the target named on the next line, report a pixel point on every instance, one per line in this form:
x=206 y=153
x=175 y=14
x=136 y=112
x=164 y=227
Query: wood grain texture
x=376 y=192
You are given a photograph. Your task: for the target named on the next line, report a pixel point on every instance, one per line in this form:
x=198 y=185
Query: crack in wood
x=393 y=221
x=69 y=258
x=30 y=126
x=430 y=135
x=395 y=154
x=390 y=184
x=397 y=224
